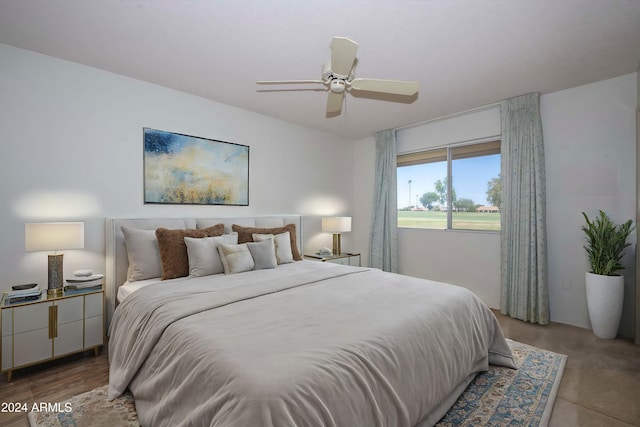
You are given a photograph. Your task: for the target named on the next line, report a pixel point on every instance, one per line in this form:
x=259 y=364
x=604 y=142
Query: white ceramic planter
x=605 y=295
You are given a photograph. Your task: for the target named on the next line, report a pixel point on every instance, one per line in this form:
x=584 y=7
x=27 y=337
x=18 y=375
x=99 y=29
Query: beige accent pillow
x=282 y=245
x=245 y=234
x=235 y=258
x=143 y=254
x=173 y=249
x=204 y=258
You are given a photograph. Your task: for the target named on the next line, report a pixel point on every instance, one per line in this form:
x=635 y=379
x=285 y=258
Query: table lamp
x=54 y=236
x=336 y=225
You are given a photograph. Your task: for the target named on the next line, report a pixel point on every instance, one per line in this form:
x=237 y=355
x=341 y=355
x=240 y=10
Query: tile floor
x=601 y=382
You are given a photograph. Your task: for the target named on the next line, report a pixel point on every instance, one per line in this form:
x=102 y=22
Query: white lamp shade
x=53 y=236
x=336 y=224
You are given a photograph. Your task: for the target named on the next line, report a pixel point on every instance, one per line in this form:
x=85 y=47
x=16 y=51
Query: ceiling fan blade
x=343 y=53
x=278 y=82
x=396 y=87
x=292 y=90
x=334 y=102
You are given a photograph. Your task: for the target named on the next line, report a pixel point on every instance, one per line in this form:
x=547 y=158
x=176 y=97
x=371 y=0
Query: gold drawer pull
x=53 y=321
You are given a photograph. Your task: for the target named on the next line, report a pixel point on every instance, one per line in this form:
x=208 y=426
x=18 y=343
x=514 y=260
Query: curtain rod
x=450 y=116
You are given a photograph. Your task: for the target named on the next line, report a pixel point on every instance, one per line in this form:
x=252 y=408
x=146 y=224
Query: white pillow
x=235 y=258
x=143 y=253
x=263 y=253
x=204 y=258
x=282 y=243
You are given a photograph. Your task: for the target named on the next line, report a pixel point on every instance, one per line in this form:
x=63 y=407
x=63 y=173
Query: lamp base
x=337 y=250
x=54 y=282
x=58 y=292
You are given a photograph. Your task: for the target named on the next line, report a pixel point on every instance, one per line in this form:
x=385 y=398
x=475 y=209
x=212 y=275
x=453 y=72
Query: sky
x=470 y=178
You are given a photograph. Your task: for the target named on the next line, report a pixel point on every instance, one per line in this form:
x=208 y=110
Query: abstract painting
x=183 y=169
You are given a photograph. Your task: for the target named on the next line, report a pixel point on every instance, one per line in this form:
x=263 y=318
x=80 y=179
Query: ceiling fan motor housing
x=337 y=85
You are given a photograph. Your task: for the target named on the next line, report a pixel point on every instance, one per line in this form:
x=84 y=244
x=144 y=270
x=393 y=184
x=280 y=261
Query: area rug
x=509 y=397
x=498 y=397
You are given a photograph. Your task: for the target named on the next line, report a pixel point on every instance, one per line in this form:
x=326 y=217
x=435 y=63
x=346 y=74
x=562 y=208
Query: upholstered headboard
x=117 y=262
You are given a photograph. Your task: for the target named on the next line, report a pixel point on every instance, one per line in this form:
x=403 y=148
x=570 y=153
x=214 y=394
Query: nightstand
x=50 y=327
x=345 y=258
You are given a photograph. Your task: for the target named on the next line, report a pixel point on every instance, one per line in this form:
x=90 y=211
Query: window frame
x=434 y=154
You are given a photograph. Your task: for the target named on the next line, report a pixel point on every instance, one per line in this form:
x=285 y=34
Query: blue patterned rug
x=508 y=397
x=498 y=397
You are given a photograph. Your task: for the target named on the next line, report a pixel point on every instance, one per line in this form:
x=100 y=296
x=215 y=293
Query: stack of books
x=23 y=295
x=84 y=282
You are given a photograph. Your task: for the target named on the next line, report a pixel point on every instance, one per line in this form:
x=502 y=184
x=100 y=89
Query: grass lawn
x=461 y=220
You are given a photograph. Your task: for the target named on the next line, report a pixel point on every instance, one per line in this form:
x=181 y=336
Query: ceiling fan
x=338 y=76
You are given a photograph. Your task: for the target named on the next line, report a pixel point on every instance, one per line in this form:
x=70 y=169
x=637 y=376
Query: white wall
x=589 y=134
x=72 y=150
x=590 y=150
x=364 y=154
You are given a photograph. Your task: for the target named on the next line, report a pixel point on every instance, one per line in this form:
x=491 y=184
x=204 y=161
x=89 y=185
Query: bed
x=304 y=343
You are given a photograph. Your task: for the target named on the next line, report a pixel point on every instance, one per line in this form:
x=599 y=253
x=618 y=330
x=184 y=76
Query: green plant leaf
x=606 y=242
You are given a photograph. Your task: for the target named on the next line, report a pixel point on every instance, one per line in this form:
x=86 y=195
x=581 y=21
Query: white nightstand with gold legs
x=344 y=258
x=50 y=327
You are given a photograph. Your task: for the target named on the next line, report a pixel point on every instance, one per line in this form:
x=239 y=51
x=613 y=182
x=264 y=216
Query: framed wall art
x=183 y=169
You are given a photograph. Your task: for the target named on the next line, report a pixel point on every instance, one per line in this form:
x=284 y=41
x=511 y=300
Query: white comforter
x=307 y=344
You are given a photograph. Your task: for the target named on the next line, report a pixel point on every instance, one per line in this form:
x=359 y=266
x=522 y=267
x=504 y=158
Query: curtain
x=523 y=246
x=383 y=242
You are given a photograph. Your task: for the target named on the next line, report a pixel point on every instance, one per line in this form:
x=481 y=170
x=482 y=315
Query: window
x=456 y=187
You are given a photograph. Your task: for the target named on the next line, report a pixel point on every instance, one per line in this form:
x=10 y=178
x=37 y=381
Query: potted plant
x=605 y=289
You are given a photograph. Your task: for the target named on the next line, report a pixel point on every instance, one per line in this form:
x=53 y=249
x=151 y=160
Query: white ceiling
x=464 y=53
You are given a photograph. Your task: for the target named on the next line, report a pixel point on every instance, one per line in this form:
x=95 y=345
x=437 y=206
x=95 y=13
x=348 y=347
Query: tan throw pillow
x=245 y=234
x=173 y=250
x=235 y=258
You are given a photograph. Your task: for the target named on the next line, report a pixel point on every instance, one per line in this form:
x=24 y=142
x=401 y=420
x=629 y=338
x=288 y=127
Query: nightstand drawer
x=69 y=338
x=30 y=317
x=70 y=310
x=31 y=347
x=7 y=351
x=93 y=333
x=93 y=305
x=7 y=323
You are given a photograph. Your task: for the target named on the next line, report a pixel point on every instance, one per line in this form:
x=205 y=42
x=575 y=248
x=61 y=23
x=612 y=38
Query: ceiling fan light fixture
x=337 y=85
